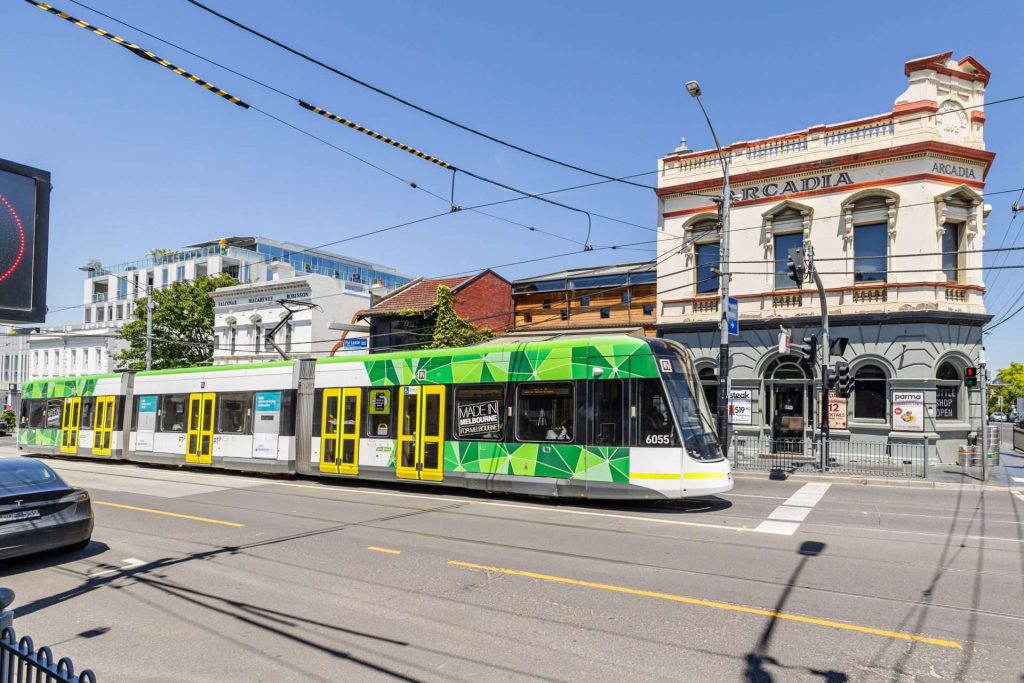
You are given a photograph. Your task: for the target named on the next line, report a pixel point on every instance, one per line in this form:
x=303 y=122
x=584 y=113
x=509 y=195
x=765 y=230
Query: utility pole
x=983 y=371
x=825 y=356
x=149 y=327
x=693 y=88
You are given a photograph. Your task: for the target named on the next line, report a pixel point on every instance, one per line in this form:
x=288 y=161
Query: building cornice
x=835 y=321
x=932 y=146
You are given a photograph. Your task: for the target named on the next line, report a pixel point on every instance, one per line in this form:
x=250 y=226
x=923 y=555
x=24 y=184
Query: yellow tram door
x=421 y=433
x=71 y=419
x=431 y=442
x=103 y=425
x=351 y=409
x=408 y=433
x=199 y=442
x=330 y=429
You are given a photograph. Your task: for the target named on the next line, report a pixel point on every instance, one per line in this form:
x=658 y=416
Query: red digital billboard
x=24 y=232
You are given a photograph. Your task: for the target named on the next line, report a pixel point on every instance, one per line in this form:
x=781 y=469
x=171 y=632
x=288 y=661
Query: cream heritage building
x=892 y=206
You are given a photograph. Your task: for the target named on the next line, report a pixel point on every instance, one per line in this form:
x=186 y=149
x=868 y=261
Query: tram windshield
x=696 y=426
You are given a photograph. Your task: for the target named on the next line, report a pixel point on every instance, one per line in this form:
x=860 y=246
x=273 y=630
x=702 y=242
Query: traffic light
x=971 y=377
x=812 y=350
x=796 y=265
x=844 y=383
x=830 y=379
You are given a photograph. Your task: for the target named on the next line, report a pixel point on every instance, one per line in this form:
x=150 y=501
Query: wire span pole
x=149 y=328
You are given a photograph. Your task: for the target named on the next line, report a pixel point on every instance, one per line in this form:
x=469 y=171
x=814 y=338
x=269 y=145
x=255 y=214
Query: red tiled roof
x=418 y=296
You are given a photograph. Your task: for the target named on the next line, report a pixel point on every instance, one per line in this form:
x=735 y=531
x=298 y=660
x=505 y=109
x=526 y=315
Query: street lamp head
x=693 y=87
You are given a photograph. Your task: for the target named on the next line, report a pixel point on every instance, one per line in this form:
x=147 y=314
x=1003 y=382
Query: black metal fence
x=19 y=662
x=905 y=459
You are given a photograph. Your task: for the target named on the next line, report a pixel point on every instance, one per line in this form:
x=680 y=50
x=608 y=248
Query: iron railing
x=20 y=661
x=863 y=458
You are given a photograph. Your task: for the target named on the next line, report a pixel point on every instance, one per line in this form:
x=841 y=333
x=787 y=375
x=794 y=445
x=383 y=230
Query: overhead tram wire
x=407 y=103
x=301 y=102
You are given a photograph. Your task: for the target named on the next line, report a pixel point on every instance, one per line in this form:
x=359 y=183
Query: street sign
x=355 y=343
x=24 y=230
x=732 y=314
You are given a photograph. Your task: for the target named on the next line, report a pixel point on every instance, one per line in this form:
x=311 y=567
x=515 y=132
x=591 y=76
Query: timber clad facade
x=892 y=207
x=618 y=296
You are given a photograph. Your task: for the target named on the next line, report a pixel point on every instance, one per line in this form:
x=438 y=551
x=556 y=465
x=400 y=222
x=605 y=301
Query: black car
x=39 y=511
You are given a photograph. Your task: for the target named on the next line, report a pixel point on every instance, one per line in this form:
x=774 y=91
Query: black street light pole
x=693 y=88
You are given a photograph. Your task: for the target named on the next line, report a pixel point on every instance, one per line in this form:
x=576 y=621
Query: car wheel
x=81 y=545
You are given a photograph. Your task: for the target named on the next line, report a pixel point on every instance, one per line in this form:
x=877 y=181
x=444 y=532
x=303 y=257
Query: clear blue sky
x=141 y=158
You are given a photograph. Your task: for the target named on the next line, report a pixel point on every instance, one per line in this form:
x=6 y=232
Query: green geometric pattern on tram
x=596 y=463
x=39 y=437
x=620 y=357
x=59 y=388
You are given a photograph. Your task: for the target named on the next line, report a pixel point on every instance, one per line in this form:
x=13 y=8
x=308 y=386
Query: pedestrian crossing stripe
x=139 y=52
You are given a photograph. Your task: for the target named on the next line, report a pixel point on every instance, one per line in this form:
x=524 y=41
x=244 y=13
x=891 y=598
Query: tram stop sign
x=24 y=232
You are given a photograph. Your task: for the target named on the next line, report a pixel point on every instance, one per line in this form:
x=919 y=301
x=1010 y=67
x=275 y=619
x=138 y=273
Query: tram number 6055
x=658 y=440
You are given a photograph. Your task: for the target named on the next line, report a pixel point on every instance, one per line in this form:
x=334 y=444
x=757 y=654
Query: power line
x=396 y=98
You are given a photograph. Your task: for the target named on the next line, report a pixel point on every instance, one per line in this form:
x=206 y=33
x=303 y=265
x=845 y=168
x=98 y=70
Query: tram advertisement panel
x=907 y=411
x=24 y=223
x=478 y=418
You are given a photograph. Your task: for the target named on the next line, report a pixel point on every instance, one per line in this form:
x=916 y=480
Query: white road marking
x=786 y=518
x=1019 y=480
x=130 y=563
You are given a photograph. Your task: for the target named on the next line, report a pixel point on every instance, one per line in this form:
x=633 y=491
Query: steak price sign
x=908 y=411
x=740 y=412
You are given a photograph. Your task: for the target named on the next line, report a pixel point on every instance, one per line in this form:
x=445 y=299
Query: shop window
x=783 y=243
x=563 y=314
x=234 y=413
x=648 y=309
x=625 y=298
x=870 y=252
x=951 y=252
x=654 y=415
x=479 y=412
x=546 y=303
x=545 y=411
x=709 y=385
x=947 y=392
x=606 y=312
x=609 y=406
x=527 y=317
x=708 y=257
x=869 y=393
x=584 y=302
x=172 y=412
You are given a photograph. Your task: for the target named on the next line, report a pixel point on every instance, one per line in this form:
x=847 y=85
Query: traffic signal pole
x=824 y=346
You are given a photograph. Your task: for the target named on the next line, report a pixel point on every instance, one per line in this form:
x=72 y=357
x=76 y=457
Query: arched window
x=787 y=367
x=257 y=333
x=709 y=384
x=869 y=393
x=947 y=392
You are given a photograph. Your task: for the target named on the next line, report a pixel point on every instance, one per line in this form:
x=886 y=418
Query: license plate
x=20 y=514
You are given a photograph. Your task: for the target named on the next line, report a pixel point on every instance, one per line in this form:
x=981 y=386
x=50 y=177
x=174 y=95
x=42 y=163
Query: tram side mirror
x=811 y=548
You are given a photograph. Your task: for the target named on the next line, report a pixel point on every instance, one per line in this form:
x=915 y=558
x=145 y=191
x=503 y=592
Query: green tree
x=450 y=329
x=1013 y=377
x=10 y=419
x=182 y=325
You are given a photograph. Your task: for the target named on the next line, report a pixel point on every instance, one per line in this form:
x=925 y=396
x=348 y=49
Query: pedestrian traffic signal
x=844 y=382
x=971 y=377
x=796 y=266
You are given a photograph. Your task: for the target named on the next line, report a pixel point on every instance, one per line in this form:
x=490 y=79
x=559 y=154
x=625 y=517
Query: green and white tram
x=602 y=417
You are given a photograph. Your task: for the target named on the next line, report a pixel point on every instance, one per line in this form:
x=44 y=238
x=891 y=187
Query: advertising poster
x=908 y=411
x=837 y=417
x=478 y=418
x=740 y=411
x=380 y=401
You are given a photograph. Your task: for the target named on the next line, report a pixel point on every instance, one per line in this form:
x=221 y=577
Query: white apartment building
x=893 y=208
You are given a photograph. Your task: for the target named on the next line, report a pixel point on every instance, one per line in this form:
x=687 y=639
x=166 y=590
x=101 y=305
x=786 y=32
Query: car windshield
x=19 y=475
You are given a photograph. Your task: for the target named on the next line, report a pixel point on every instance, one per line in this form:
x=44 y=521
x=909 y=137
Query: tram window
x=37 y=414
x=234 y=413
x=607 y=412
x=655 y=417
x=172 y=412
x=287 y=420
x=118 y=409
x=135 y=414
x=545 y=412
x=379 y=414
x=479 y=412
x=87 y=408
x=318 y=407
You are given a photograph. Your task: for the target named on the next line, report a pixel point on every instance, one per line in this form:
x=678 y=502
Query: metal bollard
x=6 y=615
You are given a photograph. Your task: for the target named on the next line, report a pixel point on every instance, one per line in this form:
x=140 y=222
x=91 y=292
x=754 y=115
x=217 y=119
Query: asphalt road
x=200 y=576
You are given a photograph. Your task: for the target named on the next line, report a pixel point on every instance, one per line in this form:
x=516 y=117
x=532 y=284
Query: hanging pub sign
x=837 y=411
x=908 y=411
x=478 y=418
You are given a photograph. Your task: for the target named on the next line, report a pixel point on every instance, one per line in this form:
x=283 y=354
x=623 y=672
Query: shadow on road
x=50 y=558
x=756 y=660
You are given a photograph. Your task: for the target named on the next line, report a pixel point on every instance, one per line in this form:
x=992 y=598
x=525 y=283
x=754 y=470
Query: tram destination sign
x=24 y=233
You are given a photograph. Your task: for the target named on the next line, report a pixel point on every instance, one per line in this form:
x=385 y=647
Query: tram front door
x=70 y=421
x=421 y=412
x=199 y=444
